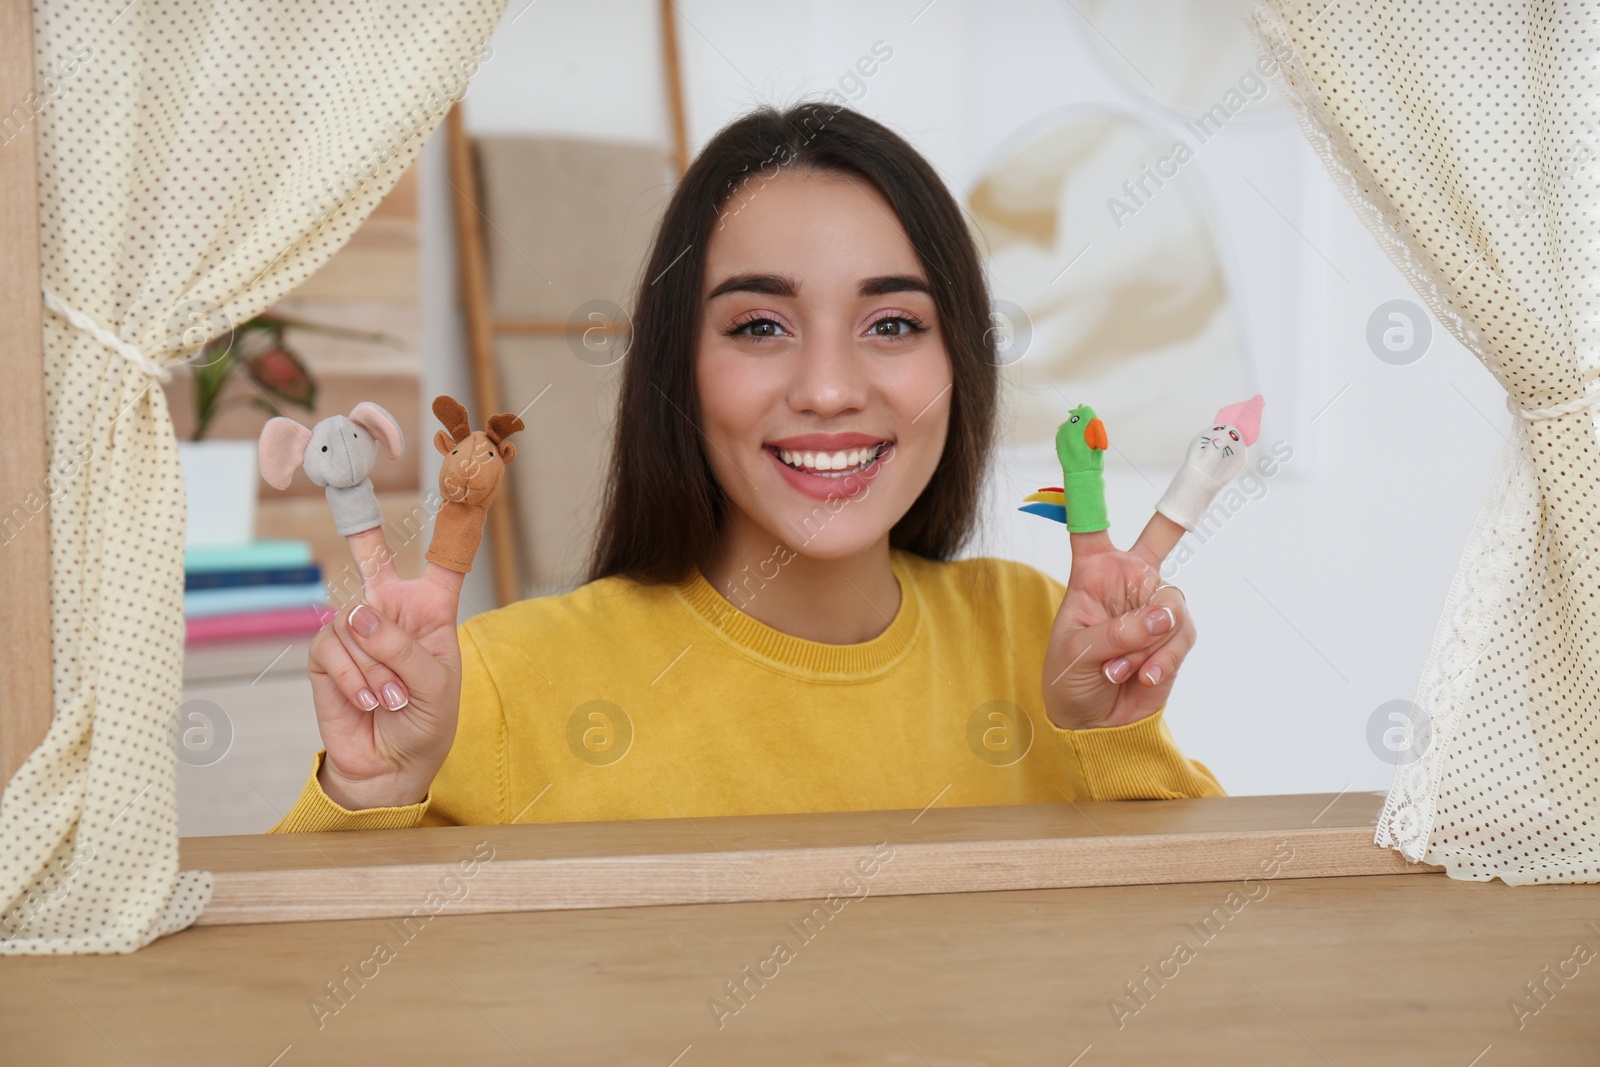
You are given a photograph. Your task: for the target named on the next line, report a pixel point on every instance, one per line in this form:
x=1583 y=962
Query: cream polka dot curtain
x=1467 y=135
x=197 y=161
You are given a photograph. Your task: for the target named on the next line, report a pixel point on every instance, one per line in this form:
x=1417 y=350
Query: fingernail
x=394 y=698
x=363 y=620
x=1153 y=673
x=1159 y=621
x=1117 y=670
x=367 y=700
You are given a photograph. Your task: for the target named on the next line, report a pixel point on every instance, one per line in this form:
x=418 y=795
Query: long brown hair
x=662 y=506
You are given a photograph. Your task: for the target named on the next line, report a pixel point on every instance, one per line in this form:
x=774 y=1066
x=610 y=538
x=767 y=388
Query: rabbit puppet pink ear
x=281 y=449
x=1246 y=415
x=382 y=425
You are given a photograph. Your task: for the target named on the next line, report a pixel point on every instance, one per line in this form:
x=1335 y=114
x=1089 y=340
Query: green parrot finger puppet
x=1079 y=501
x=1215 y=456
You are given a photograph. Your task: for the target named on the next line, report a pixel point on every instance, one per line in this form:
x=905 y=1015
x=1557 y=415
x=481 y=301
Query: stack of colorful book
x=259 y=589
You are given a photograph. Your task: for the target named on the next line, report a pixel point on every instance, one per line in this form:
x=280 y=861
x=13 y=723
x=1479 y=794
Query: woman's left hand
x=1121 y=634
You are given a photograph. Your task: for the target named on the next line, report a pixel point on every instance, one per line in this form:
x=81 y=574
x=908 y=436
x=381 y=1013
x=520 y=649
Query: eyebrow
x=783 y=285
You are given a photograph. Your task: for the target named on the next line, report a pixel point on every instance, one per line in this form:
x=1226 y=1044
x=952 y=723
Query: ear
x=1246 y=415
x=508 y=451
x=381 y=425
x=443 y=442
x=280 y=450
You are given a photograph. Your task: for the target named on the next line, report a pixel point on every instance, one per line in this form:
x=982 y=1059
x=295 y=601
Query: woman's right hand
x=386 y=681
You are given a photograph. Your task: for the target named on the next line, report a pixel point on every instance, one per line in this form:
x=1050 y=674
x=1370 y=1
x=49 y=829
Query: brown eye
x=1233 y=435
x=762 y=329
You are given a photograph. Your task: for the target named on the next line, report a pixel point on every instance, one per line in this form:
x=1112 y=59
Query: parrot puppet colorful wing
x=1080 y=500
x=1051 y=502
x=1214 y=458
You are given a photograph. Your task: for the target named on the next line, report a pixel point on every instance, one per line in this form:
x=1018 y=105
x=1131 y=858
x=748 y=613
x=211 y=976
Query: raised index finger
x=1088 y=544
x=374 y=558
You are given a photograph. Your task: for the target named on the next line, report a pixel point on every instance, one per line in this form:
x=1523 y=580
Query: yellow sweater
x=626 y=701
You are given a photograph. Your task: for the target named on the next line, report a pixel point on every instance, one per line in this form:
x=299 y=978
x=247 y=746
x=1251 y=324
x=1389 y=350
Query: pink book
x=305 y=619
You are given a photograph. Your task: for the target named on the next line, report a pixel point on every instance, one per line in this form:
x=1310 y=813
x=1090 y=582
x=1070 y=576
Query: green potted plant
x=220 y=476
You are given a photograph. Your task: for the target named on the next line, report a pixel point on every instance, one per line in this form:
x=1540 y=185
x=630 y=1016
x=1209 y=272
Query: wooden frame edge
x=722 y=876
x=26 y=706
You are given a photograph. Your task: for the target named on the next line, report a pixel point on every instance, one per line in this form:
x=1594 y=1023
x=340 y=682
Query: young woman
x=775 y=620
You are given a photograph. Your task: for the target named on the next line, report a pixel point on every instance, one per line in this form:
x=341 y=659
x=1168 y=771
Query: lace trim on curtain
x=1479 y=591
x=1483 y=574
x=1356 y=182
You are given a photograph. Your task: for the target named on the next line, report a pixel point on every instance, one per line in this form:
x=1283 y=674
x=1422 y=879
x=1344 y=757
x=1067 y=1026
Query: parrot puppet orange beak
x=1094 y=435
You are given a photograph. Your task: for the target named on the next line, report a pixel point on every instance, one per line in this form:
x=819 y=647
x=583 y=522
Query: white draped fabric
x=1466 y=133
x=197 y=160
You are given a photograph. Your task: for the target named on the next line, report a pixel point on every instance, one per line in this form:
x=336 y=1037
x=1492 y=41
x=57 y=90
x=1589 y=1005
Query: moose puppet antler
x=474 y=466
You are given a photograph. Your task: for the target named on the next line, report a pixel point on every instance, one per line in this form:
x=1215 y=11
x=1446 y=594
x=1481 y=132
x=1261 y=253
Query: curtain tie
x=105 y=336
x=1554 y=411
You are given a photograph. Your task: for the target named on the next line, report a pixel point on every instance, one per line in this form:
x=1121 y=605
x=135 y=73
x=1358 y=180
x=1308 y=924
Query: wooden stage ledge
x=475 y=869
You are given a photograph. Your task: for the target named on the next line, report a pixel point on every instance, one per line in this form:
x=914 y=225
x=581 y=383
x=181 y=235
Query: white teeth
x=845 y=461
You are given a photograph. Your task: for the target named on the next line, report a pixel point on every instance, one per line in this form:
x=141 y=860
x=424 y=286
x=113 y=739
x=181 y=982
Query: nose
x=830 y=375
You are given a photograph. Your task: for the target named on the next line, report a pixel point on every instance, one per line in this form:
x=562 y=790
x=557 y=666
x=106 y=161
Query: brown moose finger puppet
x=474 y=465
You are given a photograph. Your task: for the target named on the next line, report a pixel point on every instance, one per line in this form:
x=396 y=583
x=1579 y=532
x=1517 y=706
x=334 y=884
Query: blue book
x=268 y=576
x=204 y=602
x=257 y=555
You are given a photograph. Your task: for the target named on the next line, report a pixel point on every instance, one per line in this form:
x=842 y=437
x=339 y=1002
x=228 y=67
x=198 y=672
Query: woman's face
x=823 y=377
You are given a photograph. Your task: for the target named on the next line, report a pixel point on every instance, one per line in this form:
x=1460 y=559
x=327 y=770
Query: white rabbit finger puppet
x=338 y=454
x=1214 y=458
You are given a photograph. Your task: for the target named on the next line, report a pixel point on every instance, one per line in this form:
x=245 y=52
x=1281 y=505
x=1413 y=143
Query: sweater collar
x=796 y=655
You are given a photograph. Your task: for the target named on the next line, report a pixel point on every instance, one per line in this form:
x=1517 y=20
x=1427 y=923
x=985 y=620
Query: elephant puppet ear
x=382 y=425
x=1246 y=415
x=281 y=449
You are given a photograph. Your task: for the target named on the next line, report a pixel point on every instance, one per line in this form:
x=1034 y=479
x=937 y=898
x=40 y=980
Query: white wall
x=1316 y=602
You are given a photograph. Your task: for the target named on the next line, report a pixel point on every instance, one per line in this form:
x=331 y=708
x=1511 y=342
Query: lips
x=822 y=486
x=827 y=442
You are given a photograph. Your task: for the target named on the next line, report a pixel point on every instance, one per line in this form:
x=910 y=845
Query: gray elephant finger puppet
x=339 y=454
x=1215 y=456
x=469 y=480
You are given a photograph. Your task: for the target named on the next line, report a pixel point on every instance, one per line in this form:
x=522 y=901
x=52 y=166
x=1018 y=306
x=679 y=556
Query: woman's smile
x=823 y=475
